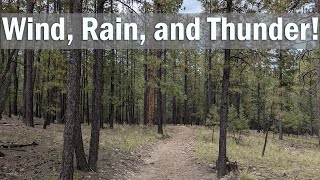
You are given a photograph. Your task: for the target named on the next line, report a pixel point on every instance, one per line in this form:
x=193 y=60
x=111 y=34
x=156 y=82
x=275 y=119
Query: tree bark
x=150 y=94
x=174 y=98
x=28 y=89
x=6 y=79
x=222 y=158
x=210 y=82
x=311 y=116
x=160 y=96
x=281 y=104
x=111 y=110
x=29 y=78
x=146 y=91
x=96 y=101
x=72 y=132
x=96 y=106
x=15 y=88
x=186 y=108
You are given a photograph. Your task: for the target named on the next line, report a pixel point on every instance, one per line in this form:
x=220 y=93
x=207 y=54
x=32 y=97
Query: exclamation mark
x=315 y=28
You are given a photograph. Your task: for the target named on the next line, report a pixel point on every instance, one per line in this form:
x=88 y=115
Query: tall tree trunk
x=186 y=108
x=151 y=92
x=210 y=82
x=131 y=97
x=48 y=117
x=5 y=79
x=15 y=88
x=72 y=132
x=96 y=101
x=29 y=78
x=174 y=98
x=222 y=158
x=174 y=110
x=165 y=94
x=311 y=116
x=111 y=111
x=152 y=74
x=259 y=106
x=146 y=90
x=159 y=97
x=28 y=89
x=281 y=95
x=96 y=106
x=71 y=115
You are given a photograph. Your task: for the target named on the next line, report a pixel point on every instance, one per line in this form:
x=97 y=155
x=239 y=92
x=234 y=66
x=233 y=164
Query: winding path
x=173 y=159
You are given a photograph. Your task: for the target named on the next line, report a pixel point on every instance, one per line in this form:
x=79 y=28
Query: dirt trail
x=173 y=159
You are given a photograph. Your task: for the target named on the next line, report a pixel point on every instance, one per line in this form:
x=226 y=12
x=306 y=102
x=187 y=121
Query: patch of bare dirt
x=43 y=161
x=170 y=158
x=173 y=159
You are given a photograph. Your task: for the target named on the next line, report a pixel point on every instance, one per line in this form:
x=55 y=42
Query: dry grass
x=281 y=160
x=128 y=138
x=122 y=137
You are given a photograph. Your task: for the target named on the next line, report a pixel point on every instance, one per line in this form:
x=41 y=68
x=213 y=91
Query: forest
x=159 y=113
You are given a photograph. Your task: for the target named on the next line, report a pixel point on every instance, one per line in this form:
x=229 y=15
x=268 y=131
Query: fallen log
x=17 y=145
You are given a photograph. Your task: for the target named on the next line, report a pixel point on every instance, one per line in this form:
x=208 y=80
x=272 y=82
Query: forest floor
x=126 y=152
x=120 y=153
x=138 y=153
x=173 y=159
x=291 y=158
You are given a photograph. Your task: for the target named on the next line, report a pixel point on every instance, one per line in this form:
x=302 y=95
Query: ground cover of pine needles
x=120 y=150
